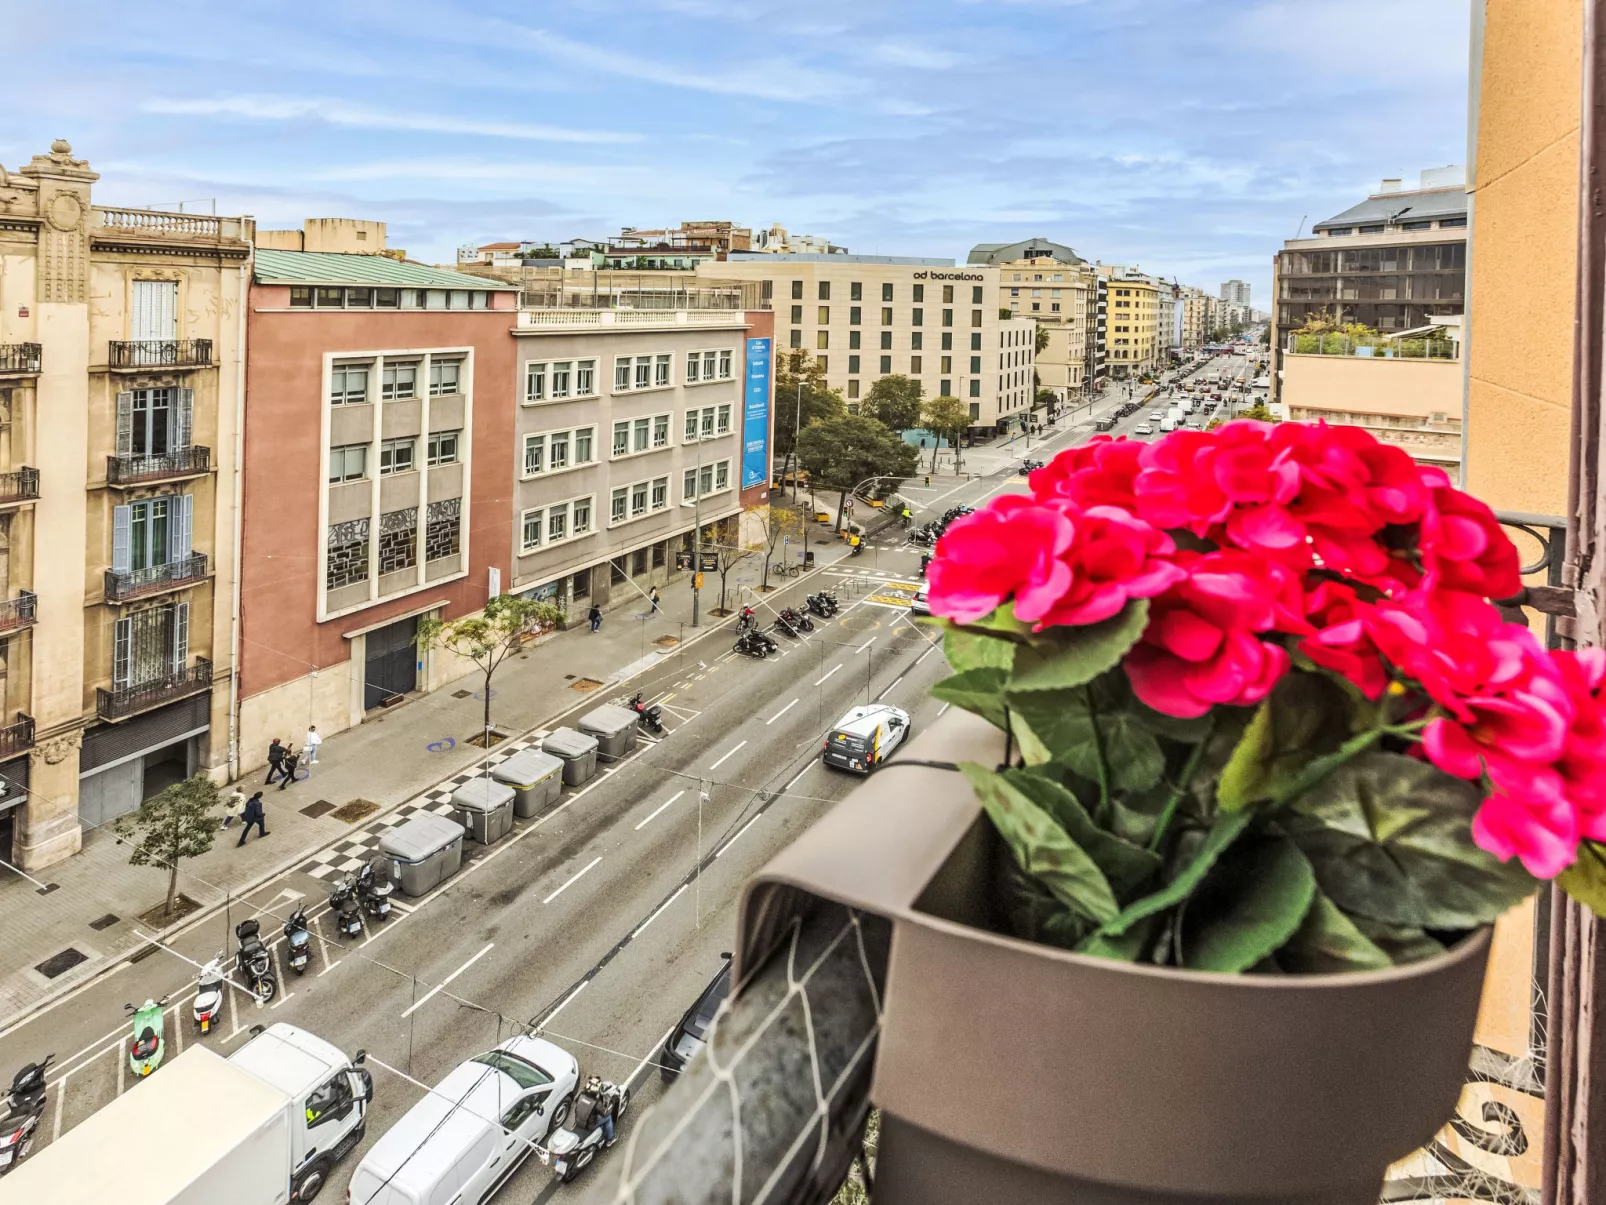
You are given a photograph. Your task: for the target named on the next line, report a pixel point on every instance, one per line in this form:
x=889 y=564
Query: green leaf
x=1001 y=622
x=977 y=690
x=1390 y=838
x=1066 y=657
x=1126 y=866
x=968 y=650
x=1062 y=724
x=1303 y=717
x=1041 y=846
x=1177 y=728
x=1128 y=947
x=1032 y=749
x=1330 y=941
x=1226 y=829
x=1252 y=902
x=1402 y=943
x=1034 y=914
x=1585 y=879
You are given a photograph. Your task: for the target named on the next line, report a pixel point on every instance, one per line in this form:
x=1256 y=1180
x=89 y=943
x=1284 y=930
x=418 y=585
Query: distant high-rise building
x=1235 y=291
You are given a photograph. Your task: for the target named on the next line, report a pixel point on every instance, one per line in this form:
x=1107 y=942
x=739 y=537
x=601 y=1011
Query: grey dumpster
x=577 y=751
x=615 y=730
x=423 y=852
x=484 y=807
x=536 y=779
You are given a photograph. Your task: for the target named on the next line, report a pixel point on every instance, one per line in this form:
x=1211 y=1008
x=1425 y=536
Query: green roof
x=334 y=268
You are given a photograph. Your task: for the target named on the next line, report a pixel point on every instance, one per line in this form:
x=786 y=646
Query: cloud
x=907 y=54
x=341 y=113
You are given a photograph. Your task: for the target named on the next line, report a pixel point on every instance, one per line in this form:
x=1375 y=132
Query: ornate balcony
x=125 y=585
x=20 y=357
x=20 y=486
x=159 y=353
x=17 y=613
x=16 y=738
x=193 y=461
x=120 y=704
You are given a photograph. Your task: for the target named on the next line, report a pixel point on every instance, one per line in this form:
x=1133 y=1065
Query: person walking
x=653 y=595
x=254 y=814
x=309 y=746
x=232 y=803
x=291 y=760
x=275 y=761
x=595 y=616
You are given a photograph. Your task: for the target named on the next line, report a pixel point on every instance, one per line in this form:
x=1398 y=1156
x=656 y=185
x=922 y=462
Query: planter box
x=1023 y=1073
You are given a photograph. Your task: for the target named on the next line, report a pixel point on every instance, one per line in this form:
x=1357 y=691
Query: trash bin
x=423 y=852
x=615 y=730
x=808 y=559
x=536 y=779
x=576 y=750
x=484 y=807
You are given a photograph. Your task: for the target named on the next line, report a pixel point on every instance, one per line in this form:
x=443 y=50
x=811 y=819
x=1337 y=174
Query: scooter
x=568 y=1151
x=650 y=718
x=856 y=549
x=255 y=961
x=209 y=995
x=374 y=890
x=753 y=643
x=24 y=1106
x=747 y=621
x=146 y=1047
x=786 y=620
x=344 y=908
x=297 y=941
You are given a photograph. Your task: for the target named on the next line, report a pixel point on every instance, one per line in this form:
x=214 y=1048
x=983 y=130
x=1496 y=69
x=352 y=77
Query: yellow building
x=1133 y=343
x=1056 y=295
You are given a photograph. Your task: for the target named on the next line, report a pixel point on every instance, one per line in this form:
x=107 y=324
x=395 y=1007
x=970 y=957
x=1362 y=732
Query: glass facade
x=1386 y=288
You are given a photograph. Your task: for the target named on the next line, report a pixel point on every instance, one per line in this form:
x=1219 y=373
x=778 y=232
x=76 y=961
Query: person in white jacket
x=309 y=746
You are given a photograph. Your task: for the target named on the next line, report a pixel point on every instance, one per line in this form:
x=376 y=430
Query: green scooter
x=146 y=1046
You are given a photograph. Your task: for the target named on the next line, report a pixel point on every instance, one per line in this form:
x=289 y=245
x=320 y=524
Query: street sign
x=682 y=561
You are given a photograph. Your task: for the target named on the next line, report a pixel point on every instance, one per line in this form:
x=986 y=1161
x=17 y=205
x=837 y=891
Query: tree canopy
x=488 y=638
x=175 y=824
x=842 y=452
x=821 y=403
x=894 y=402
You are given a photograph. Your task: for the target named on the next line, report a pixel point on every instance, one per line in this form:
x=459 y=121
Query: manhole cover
x=860 y=623
x=58 y=964
x=584 y=684
x=462 y=694
x=356 y=810
x=667 y=642
x=105 y=922
x=322 y=808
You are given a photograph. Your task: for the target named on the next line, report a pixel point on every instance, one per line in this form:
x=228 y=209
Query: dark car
x=687 y=1038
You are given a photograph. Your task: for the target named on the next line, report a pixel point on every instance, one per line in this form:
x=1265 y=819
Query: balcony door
x=149 y=534
x=150 y=645
x=155 y=311
x=154 y=422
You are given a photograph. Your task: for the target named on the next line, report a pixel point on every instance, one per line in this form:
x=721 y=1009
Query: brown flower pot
x=1009 y=1071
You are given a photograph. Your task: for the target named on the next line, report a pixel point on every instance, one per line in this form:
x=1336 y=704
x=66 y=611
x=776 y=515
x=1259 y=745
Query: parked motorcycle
x=753 y=643
x=568 y=1150
x=649 y=717
x=822 y=604
x=255 y=961
x=374 y=889
x=344 y=908
x=209 y=995
x=24 y=1106
x=787 y=620
x=146 y=1045
x=297 y=941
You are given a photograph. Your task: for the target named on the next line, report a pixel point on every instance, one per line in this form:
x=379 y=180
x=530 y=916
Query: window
x=444 y=377
x=347 y=547
x=947 y=364
x=853 y=389
x=638 y=561
x=975 y=363
x=723 y=420
x=975 y=342
x=621 y=439
x=886 y=364
x=348 y=463
x=853 y=363
x=854 y=313
x=722 y=476
x=886 y=316
x=947 y=317
x=660 y=493
x=886 y=292
x=946 y=388
x=823 y=317
x=709 y=359
x=661 y=368
x=386 y=299
x=619 y=505
x=822 y=339
x=856 y=291
x=796 y=339
x=616 y=570
x=638 y=499
x=443 y=529
x=975 y=293
x=947 y=294
x=975 y=317
x=886 y=340
x=724 y=365
x=581 y=584
x=300 y=295
x=975 y=389
x=580 y=518
x=398 y=540
x=853 y=341
x=331 y=298
x=660 y=431
x=585 y=378
x=348 y=384
x=398 y=381
x=708 y=422
x=1054 y=306
x=825 y=290
x=688 y=485
x=621 y=373
x=642 y=435
x=689 y=434
x=917 y=341
x=914 y=365
x=797 y=313
x=693 y=362
x=442 y=447
x=797 y=289
x=660 y=549
x=396 y=456
x=825 y=361
x=534 y=383
x=920 y=293
x=643 y=372
x=561 y=375
x=975 y=411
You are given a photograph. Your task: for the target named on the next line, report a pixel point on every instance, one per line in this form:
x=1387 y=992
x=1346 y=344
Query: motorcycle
x=787 y=621
x=24 y=1106
x=297 y=941
x=255 y=961
x=344 y=908
x=753 y=643
x=569 y=1152
x=650 y=718
x=856 y=549
x=209 y=994
x=821 y=604
x=146 y=1047
x=374 y=889
x=747 y=621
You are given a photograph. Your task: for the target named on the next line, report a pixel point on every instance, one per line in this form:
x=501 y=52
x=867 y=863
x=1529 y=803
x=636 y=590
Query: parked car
x=921 y=604
x=1143 y=429
x=865 y=737
x=688 y=1037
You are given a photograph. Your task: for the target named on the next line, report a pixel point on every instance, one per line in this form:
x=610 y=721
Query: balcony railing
x=20 y=357
x=18 y=612
x=19 y=486
x=1333 y=344
x=120 y=703
x=136 y=470
x=159 y=353
x=147 y=221
x=18 y=737
x=125 y=584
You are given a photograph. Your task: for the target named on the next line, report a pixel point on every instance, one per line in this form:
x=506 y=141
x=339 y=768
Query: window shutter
x=181 y=637
x=122 y=521
x=125 y=423
x=183 y=419
x=183 y=516
x=121 y=631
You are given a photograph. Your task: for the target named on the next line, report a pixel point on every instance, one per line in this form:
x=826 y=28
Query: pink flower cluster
x=1312 y=538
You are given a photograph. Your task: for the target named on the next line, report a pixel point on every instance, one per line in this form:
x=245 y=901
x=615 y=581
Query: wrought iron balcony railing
x=159 y=353
x=137 y=470
x=20 y=357
x=122 y=702
x=18 y=737
x=125 y=584
x=18 y=612
x=20 y=486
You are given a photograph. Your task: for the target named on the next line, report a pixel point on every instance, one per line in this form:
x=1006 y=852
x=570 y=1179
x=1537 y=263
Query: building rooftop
x=771 y=257
x=339 y=268
x=1417 y=205
x=1032 y=248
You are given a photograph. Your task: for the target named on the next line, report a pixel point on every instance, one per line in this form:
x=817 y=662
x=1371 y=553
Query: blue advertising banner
x=756 y=415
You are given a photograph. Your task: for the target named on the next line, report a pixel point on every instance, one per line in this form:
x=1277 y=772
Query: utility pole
x=697 y=539
x=797 y=430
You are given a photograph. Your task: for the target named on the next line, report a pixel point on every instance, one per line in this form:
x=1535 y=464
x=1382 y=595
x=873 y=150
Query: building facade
x=1058 y=296
x=1193 y=307
x=1235 y=291
x=120 y=391
x=864 y=317
x=1132 y=338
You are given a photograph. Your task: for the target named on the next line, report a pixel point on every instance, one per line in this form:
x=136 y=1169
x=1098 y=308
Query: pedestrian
x=653 y=595
x=309 y=746
x=275 y=761
x=291 y=759
x=595 y=616
x=254 y=814
x=232 y=803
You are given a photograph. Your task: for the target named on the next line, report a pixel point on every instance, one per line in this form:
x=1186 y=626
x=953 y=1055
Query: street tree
x=801 y=399
x=894 y=402
x=730 y=556
x=174 y=824
x=845 y=452
x=946 y=417
x=487 y=639
x=1042 y=339
x=777 y=522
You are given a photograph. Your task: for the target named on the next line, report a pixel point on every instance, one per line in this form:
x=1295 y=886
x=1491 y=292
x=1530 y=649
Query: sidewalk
x=95 y=897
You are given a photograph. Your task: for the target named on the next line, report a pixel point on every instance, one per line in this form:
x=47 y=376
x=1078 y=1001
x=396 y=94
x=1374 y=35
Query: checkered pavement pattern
x=356 y=851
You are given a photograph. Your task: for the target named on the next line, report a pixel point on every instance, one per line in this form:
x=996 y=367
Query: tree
x=946 y=416
x=845 y=452
x=1042 y=339
x=488 y=638
x=1047 y=398
x=170 y=826
x=820 y=402
x=778 y=522
x=894 y=402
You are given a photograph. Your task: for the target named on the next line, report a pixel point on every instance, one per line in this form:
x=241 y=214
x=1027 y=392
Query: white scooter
x=209 y=995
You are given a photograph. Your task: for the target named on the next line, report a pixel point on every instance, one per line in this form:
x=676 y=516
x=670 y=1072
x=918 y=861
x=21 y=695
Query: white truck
x=1172 y=419
x=262 y=1127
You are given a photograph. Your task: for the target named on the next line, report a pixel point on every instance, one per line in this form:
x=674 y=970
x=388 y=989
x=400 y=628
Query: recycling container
x=615 y=730
x=484 y=807
x=577 y=751
x=423 y=852
x=536 y=779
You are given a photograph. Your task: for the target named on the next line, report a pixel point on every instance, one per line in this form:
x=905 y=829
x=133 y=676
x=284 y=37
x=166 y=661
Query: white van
x=462 y=1141
x=1168 y=423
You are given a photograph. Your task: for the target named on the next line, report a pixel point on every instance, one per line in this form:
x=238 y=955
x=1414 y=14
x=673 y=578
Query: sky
x=1187 y=137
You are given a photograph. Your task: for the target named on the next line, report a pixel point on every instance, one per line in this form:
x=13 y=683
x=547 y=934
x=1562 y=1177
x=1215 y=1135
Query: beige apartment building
x=1195 y=307
x=1133 y=342
x=1053 y=285
x=121 y=390
x=866 y=316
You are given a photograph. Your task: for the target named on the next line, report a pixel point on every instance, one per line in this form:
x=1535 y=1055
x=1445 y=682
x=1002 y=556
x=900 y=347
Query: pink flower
x=1097 y=473
x=1463 y=543
x=1543 y=833
x=1009 y=548
x=1341 y=641
x=1115 y=557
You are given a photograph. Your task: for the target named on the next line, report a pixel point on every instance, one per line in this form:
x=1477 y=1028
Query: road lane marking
x=829 y=672
x=781 y=712
x=738 y=835
x=865 y=645
x=667 y=697
x=551 y=1016
x=798 y=775
x=659 y=808
x=61 y=1099
x=942 y=709
x=122 y=1063
x=571 y=882
x=641 y=928
x=647 y=1058
x=727 y=757
x=424 y=999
